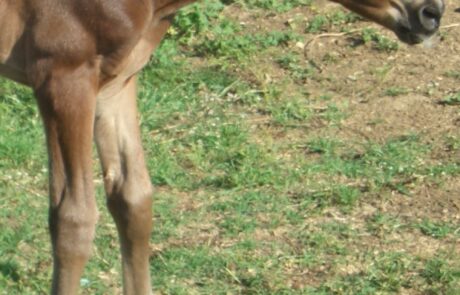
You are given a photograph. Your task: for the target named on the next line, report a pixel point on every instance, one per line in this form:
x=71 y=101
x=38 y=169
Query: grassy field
x=285 y=160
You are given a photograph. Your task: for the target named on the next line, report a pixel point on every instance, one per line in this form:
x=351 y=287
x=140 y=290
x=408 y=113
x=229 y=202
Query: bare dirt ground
x=427 y=76
x=423 y=77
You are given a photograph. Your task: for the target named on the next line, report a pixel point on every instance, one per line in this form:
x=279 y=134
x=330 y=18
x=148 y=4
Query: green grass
x=453 y=99
x=261 y=186
x=379 y=41
x=322 y=22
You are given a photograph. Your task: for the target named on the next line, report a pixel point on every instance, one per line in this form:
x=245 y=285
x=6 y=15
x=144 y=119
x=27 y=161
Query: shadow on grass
x=9 y=269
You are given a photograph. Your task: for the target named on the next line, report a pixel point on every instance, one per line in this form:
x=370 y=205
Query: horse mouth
x=406 y=35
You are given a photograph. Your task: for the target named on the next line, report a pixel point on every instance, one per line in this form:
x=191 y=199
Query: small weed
x=194 y=20
x=435 y=230
x=378 y=41
x=320 y=23
x=224 y=41
x=317 y=24
x=396 y=91
x=276 y=38
x=451 y=100
x=277 y=5
x=388 y=272
x=287 y=112
x=298 y=72
x=382 y=224
x=452 y=74
x=334 y=113
x=324 y=146
x=437 y=271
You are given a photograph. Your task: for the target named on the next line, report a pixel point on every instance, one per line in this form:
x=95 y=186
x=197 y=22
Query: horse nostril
x=430 y=17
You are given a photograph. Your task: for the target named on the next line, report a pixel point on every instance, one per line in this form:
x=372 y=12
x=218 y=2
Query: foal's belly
x=11 y=29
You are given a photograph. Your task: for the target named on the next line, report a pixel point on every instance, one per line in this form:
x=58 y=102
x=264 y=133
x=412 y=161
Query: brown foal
x=81 y=58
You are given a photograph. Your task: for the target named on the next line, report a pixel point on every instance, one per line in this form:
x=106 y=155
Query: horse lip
x=405 y=34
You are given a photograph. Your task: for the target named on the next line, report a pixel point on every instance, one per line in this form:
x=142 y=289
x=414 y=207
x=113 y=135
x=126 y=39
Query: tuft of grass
x=434 y=229
x=320 y=23
x=378 y=41
x=451 y=100
x=441 y=276
x=396 y=91
x=276 y=5
x=452 y=74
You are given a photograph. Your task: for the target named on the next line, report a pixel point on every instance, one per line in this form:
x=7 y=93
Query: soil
x=361 y=76
x=424 y=73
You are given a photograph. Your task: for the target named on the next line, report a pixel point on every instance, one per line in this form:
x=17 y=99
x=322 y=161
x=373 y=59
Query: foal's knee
x=129 y=198
x=72 y=229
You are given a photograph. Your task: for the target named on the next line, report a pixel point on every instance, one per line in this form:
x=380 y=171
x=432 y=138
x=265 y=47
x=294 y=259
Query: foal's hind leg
x=67 y=101
x=127 y=183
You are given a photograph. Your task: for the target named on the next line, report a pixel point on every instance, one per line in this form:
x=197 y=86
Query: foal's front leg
x=67 y=101
x=127 y=184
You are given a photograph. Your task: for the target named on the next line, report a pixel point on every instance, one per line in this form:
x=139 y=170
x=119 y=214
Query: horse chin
x=409 y=37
